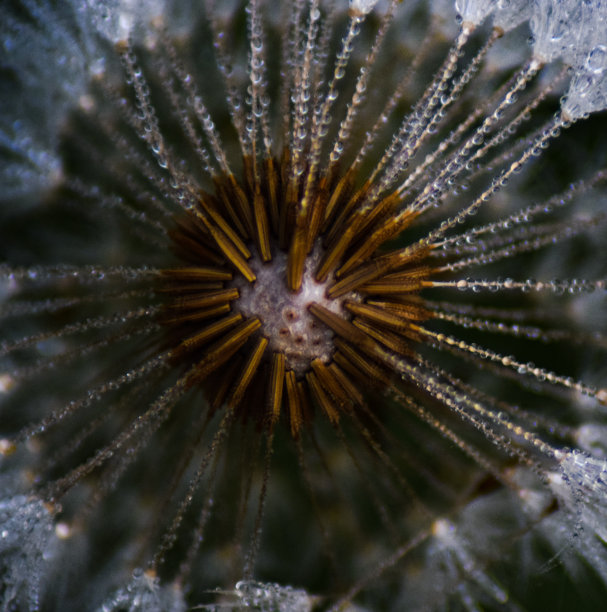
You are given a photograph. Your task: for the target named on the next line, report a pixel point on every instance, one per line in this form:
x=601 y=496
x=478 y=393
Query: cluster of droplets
x=144 y=592
x=570 y=30
x=27 y=544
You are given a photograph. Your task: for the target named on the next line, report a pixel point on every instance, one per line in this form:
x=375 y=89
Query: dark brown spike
x=226 y=228
x=349 y=214
x=363 y=275
x=340 y=194
x=196 y=315
x=349 y=387
x=248 y=372
x=223 y=349
x=330 y=384
x=262 y=227
x=336 y=249
x=288 y=213
x=391 y=227
x=306 y=406
x=249 y=171
x=203 y=300
x=358 y=364
x=224 y=201
x=198 y=273
x=191 y=249
x=390 y=340
x=410 y=308
x=398 y=283
x=322 y=399
x=211 y=331
x=231 y=253
x=233 y=196
x=384 y=209
x=285 y=164
x=405 y=258
x=297 y=256
x=379 y=316
x=317 y=211
x=272 y=180
x=173 y=288
x=221 y=388
x=293 y=403
x=191 y=225
x=276 y=386
x=292 y=191
x=369 y=244
x=343 y=328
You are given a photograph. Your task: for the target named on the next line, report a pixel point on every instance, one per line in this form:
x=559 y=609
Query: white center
x=286 y=321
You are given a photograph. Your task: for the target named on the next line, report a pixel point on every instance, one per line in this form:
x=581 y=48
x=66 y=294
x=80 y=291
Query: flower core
x=259 y=302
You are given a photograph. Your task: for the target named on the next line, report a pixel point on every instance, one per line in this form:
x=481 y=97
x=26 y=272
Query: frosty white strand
x=27 y=542
x=523 y=331
x=86 y=275
x=526 y=215
x=581 y=485
x=222 y=56
x=79 y=328
x=301 y=94
x=20 y=308
x=570 y=286
x=537 y=239
x=527 y=369
x=358 y=98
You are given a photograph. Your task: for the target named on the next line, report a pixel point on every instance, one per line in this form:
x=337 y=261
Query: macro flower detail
x=303 y=305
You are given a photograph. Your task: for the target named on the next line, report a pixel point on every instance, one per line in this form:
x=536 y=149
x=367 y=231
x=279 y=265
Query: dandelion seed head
x=308 y=277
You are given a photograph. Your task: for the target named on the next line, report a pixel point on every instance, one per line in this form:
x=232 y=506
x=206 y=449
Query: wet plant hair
x=310 y=295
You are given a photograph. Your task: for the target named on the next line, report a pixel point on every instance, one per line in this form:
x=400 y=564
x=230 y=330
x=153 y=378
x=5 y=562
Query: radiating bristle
x=281 y=349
